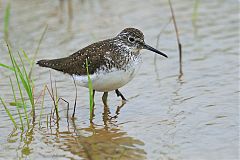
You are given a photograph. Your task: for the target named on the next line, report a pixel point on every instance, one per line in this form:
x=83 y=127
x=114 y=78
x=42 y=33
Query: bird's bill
x=145 y=46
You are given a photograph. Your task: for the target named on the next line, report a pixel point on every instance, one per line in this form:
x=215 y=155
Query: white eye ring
x=131 y=39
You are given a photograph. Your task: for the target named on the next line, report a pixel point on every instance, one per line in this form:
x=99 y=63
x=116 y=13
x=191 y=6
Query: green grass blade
x=8 y=113
x=21 y=76
x=15 y=99
x=42 y=105
x=29 y=85
x=37 y=49
x=6 y=20
x=195 y=11
x=26 y=57
x=90 y=91
x=6 y=66
x=16 y=104
x=39 y=42
x=14 y=64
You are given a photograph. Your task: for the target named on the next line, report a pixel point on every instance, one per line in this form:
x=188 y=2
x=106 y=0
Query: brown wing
x=76 y=63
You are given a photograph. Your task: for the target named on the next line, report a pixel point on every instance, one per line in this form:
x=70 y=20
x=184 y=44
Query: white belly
x=108 y=81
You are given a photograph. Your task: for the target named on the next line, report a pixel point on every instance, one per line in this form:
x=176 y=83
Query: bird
x=112 y=63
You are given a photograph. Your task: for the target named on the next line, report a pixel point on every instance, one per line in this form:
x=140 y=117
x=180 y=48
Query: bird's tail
x=56 y=64
x=45 y=63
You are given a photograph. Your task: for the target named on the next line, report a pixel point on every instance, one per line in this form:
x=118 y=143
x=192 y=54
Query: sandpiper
x=112 y=63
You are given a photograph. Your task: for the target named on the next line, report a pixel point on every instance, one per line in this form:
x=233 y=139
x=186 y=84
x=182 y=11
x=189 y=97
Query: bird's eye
x=131 y=39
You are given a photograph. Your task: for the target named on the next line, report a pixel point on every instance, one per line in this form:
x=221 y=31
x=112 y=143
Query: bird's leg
x=75 y=103
x=118 y=110
x=120 y=94
x=104 y=98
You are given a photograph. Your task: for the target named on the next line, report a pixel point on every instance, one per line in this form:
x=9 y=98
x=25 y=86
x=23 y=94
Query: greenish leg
x=104 y=97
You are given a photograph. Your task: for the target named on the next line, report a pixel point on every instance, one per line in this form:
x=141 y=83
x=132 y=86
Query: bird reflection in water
x=105 y=141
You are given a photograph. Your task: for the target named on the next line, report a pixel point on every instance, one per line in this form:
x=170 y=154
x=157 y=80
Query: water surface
x=194 y=117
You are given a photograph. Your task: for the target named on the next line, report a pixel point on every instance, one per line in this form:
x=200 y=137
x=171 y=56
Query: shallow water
x=194 y=117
